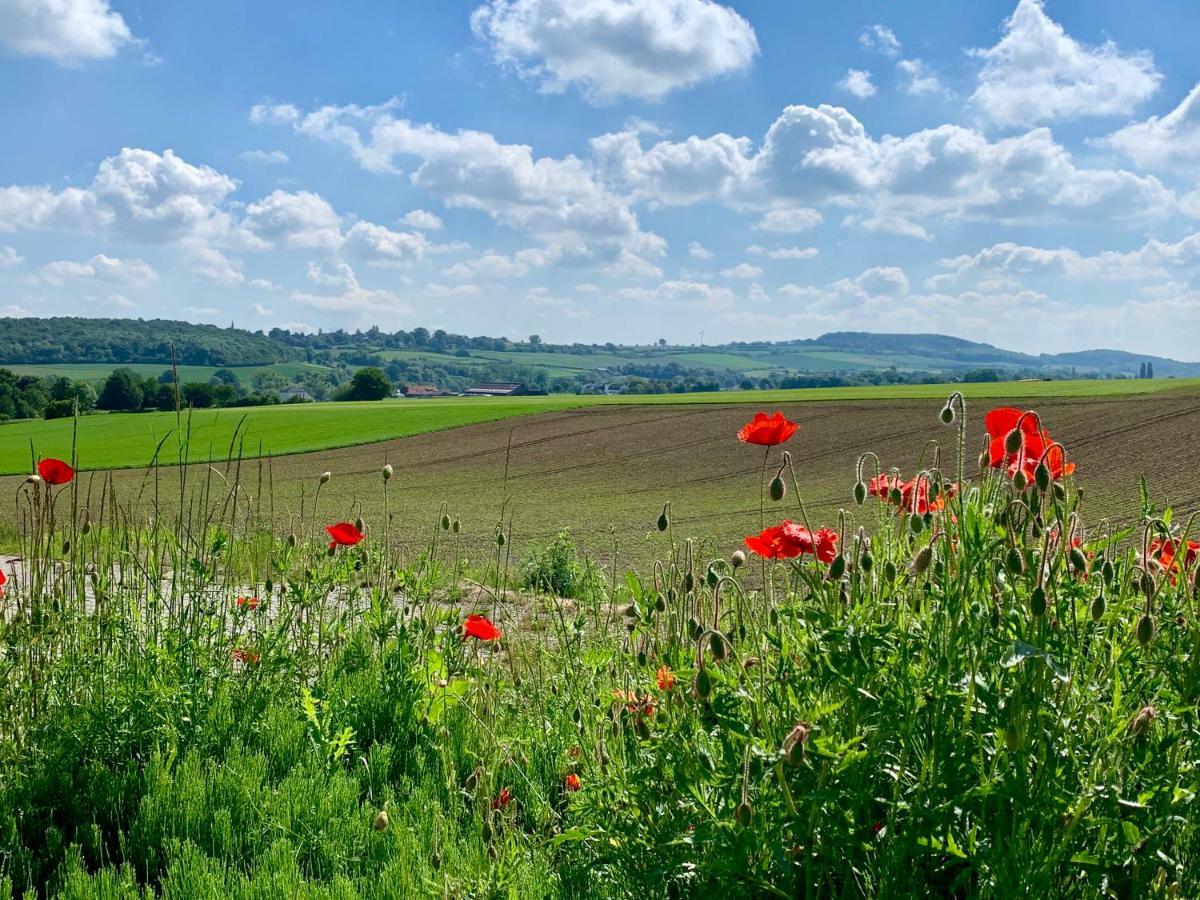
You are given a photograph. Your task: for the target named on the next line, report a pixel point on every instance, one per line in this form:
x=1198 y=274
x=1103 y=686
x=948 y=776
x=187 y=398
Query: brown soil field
x=605 y=472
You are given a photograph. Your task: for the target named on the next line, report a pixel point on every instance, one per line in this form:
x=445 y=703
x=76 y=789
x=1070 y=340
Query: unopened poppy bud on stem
x=325 y=476
x=1145 y=630
x=777 y=489
x=664 y=520
x=738 y=559
x=387 y=472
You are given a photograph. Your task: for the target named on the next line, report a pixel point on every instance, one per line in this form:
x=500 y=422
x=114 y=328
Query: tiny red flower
x=571 y=782
x=502 y=799
x=767 y=431
x=248 y=602
x=245 y=656
x=665 y=678
x=55 y=471
x=481 y=628
x=343 y=534
x=3 y=581
x=789 y=540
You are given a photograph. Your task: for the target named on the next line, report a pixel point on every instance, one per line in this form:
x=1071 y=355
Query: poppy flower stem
x=796 y=489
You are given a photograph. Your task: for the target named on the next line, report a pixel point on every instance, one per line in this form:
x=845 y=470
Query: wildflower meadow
x=956 y=686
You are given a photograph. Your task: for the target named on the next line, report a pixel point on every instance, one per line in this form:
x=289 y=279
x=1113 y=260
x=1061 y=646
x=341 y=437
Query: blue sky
x=1023 y=173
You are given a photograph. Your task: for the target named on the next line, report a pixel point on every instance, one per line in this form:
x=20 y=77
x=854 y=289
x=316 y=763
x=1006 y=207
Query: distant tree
x=662 y=342
x=1149 y=370
x=369 y=383
x=199 y=394
x=226 y=376
x=122 y=392
x=535 y=341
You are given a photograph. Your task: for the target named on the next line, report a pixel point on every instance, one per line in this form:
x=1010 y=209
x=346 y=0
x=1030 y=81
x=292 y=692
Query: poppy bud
x=486 y=832
x=1060 y=492
x=916 y=524
x=387 y=472
x=1108 y=571
x=34 y=480
x=716 y=644
x=897 y=497
x=1012 y=441
x=641 y=657
x=744 y=813
x=1020 y=482
x=436 y=860
x=860 y=493
x=456 y=526
x=703 y=684
x=632 y=611
x=711 y=577
x=689 y=581
x=381 y=821
x=984 y=459
x=66 y=548
x=1078 y=560
x=660 y=603
x=1145 y=630
x=738 y=559
x=1147 y=584
x=773 y=617
x=1041 y=477
x=837 y=568
x=889 y=570
x=291 y=540
x=694 y=629
x=1097 y=608
x=359 y=523
x=1142 y=721
x=500 y=539
x=445 y=522
x=866 y=562
x=664 y=522
x=325 y=476
x=1015 y=562
x=793 y=744
x=776 y=489
x=922 y=560
x=1037 y=601
x=947 y=414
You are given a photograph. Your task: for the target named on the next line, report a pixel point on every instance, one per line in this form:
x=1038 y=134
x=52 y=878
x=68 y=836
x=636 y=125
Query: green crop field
x=129 y=440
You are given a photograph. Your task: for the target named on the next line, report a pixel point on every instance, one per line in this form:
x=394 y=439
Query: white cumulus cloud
x=858 y=82
x=616 y=48
x=68 y=32
x=1039 y=73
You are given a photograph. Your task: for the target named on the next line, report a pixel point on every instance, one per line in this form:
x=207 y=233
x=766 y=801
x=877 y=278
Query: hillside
x=53 y=345
x=119 y=341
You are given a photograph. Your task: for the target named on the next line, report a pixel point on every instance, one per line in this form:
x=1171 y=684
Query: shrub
x=556 y=569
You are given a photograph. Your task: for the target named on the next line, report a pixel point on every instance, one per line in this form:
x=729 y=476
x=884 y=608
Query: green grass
x=960 y=707
x=129 y=440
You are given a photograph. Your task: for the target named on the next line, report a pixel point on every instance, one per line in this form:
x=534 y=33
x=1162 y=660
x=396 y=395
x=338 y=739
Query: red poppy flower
x=665 y=678
x=914 y=493
x=789 y=540
x=767 y=431
x=343 y=534
x=1035 y=443
x=571 y=782
x=881 y=486
x=481 y=628
x=247 y=602
x=1166 y=554
x=245 y=656
x=55 y=471
x=3 y=581
x=502 y=799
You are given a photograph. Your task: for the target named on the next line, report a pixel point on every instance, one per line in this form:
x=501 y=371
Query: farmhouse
x=504 y=389
x=295 y=394
x=421 y=390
